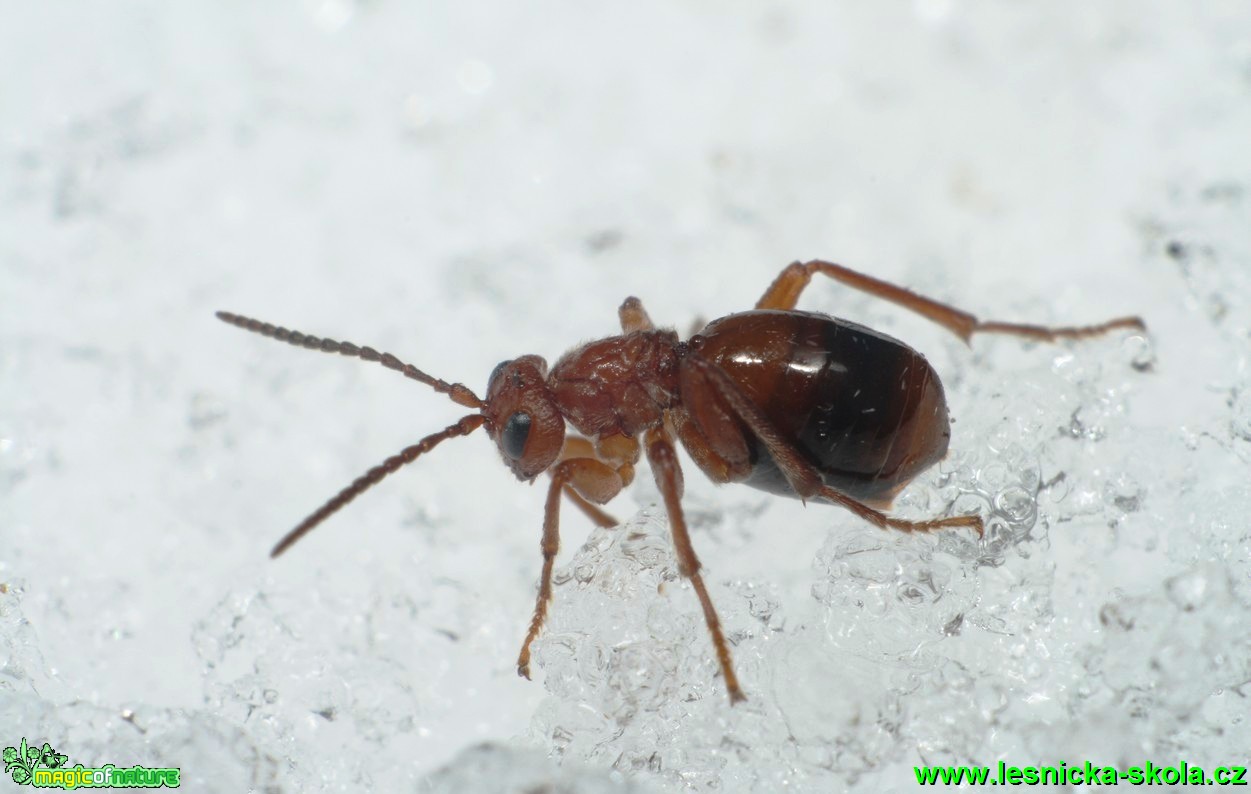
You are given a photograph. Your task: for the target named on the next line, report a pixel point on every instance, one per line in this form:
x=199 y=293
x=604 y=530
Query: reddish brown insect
x=795 y=403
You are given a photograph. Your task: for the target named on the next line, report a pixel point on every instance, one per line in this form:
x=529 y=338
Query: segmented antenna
x=372 y=477
x=460 y=394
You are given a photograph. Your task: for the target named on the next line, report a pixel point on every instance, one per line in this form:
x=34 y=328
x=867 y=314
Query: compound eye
x=516 y=431
x=495 y=373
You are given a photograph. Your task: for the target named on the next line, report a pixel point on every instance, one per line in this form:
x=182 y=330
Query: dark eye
x=495 y=373
x=516 y=431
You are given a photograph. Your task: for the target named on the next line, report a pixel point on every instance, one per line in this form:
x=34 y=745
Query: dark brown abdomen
x=867 y=410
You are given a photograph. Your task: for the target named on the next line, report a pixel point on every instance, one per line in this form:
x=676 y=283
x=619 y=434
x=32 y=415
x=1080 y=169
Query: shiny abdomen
x=865 y=409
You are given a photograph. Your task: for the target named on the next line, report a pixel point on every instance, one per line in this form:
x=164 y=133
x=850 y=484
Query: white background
x=460 y=185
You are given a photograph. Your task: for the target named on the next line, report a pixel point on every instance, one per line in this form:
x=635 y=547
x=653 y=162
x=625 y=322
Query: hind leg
x=804 y=478
x=785 y=290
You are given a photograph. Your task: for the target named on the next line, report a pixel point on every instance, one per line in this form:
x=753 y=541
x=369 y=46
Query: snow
x=464 y=184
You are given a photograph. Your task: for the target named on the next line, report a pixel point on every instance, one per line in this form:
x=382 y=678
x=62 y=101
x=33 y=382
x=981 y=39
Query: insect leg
x=633 y=316
x=578 y=447
x=784 y=292
x=668 y=476
x=591 y=480
x=803 y=477
x=598 y=517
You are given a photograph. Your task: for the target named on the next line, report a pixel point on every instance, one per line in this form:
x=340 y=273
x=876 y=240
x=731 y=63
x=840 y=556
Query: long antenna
x=460 y=394
x=372 y=477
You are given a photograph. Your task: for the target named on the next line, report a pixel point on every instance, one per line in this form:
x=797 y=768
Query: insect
x=794 y=403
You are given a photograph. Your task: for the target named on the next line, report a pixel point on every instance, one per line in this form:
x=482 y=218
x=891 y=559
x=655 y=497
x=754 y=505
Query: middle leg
x=579 y=447
x=665 y=469
x=633 y=316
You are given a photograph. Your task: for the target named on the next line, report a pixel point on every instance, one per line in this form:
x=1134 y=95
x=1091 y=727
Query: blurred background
x=461 y=184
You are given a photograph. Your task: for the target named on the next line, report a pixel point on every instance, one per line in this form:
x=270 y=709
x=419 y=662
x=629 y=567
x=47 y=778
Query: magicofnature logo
x=22 y=762
x=44 y=767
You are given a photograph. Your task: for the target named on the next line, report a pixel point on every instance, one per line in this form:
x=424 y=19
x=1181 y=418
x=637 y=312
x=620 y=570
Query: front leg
x=588 y=479
x=579 y=447
x=668 y=474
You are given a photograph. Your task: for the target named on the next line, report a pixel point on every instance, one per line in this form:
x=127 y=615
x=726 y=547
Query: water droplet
x=1015 y=504
x=993 y=477
x=584 y=573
